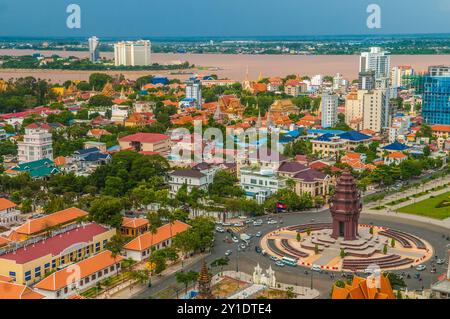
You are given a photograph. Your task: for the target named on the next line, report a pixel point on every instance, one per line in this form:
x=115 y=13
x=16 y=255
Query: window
x=37 y=269
x=47 y=265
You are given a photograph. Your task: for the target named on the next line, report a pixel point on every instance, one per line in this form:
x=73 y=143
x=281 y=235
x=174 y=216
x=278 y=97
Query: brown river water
x=231 y=66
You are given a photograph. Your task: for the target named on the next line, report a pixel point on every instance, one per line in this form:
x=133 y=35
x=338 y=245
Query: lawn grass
x=428 y=208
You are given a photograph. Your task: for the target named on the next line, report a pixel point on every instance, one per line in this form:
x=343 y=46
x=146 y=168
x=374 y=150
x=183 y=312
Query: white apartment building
x=94 y=49
x=194 y=91
x=329 y=109
x=132 y=53
x=36 y=145
x=376 y=60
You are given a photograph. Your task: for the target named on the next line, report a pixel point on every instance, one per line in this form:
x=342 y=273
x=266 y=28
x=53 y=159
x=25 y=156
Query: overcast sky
x=167 y=18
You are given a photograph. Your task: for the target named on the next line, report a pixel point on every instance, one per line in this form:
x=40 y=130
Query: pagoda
x=108 y=89
x=345 y=208
x=204 y=283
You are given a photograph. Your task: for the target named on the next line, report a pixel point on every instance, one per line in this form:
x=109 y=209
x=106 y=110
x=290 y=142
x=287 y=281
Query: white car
x=272 y=221
x=421 y=267
x=316 y=268
x=257 y=224
x=242 y=217
x=440 y=261
x=226 y=224
x=235 y=240
x=258 y=234
x=243 y=246
x=228 y=252
x=220 y=230
x=238 y=225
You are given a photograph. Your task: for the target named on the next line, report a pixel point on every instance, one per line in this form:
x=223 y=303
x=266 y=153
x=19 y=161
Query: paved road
x=296 y=275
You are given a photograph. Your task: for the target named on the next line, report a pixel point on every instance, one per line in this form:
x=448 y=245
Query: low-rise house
x=329 y=145
x=260 y=182
x=395 y=158
x=146 y=142
x=189 y=177
x=31 y=261
x=133 y=226
x=141 y=247
x=37 y=169
x=86 y=161
x=80 y=276
x=9 y=215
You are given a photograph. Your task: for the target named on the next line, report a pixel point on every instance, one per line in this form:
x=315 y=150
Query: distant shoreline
x=234 y=66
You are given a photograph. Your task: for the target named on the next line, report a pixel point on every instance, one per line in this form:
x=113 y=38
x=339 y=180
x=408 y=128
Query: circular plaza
x=345 y=244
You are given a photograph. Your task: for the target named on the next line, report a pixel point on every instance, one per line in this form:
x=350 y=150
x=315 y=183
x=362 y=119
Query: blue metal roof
x=320 y=131
x=396 y=146
x=354 y=136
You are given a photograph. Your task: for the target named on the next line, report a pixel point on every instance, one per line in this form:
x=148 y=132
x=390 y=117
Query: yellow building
x=326 y=146
x=440 y=131
x=133 y=226
x=30 y=263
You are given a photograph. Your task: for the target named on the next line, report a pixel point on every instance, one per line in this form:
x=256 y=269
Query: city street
x=246 y=260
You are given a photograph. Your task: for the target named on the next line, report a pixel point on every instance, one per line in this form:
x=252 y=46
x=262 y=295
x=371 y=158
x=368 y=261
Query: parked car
x=235 y=240
x=226 y=224
x=279 y=263
x=257 y=224
x=272 y=221
x=421 y=267
x=238 y=224
x=243 y=246
x=258 y=234
x=258 y=250
x=249 y=221
x=228 y=252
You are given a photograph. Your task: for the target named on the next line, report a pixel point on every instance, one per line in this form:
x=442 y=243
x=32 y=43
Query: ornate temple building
x=345 y=208
x=231 y=106
x=284 y=107
x=108 y=90
x=361 y=288
x=204 y=283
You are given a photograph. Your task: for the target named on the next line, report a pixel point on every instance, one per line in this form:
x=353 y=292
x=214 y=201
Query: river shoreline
x=231 y=66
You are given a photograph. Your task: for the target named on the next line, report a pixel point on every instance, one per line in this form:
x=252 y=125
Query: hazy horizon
x=222 y=18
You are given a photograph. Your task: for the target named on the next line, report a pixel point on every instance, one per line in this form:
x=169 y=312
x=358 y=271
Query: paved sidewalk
x=391 y=210
x=128 y=291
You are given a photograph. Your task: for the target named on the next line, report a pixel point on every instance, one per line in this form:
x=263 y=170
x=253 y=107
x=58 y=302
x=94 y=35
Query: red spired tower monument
x=345 y=208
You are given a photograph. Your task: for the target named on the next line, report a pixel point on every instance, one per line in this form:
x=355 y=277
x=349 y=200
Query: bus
x=290 y=261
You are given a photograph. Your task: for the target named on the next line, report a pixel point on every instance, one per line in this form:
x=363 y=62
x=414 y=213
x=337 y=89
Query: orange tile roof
x=86 y=267
x=359 y=289
x=134 y=222
x=10 y=290
x=60 y=161
x=396 y=155
x=5 y=278
x=37 y=225
x=440 y=128
x=148 y=239
x=3 y=241
x=6 y=204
